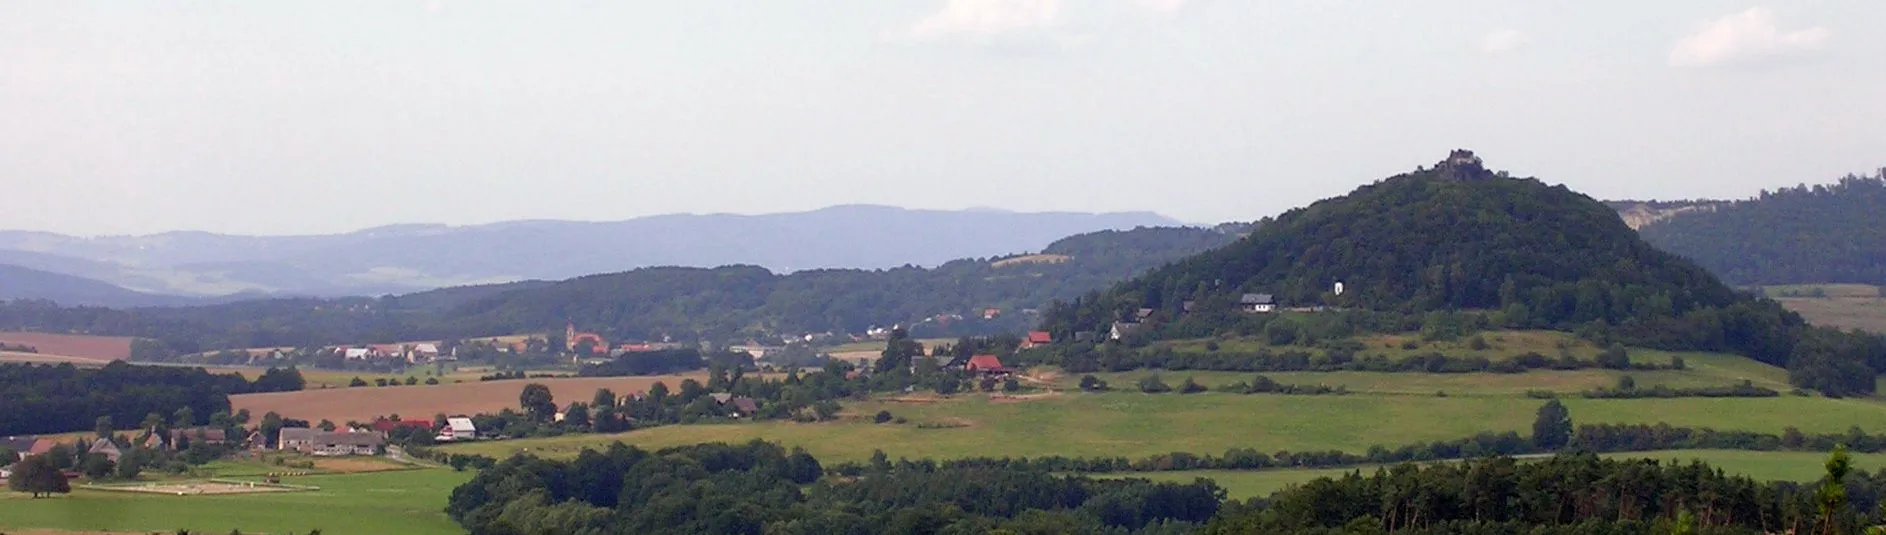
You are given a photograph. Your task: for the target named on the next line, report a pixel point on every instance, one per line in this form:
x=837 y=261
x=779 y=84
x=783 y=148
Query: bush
x=1090 y=383
x=1011 y=385
x=1478 y=343
x=432 y=380
x=357 y=382
x=1152 y=385
x=1191 y=387
x=882 y=416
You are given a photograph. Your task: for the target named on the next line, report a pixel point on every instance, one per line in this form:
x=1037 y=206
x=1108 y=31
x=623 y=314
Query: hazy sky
x=295 y=117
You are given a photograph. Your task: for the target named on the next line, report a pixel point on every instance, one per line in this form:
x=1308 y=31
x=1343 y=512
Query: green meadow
x=403 y=502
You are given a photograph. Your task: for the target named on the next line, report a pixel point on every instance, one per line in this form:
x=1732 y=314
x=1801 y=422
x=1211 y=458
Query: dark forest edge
x=760 y=487
x=60 y=398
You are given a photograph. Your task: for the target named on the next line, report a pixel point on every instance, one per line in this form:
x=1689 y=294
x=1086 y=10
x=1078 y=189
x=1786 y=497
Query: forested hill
x=713 y=303
x=1820 y=234
x=1460 y=237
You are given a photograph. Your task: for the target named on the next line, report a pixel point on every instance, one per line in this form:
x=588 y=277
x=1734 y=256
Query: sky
x=127 y=117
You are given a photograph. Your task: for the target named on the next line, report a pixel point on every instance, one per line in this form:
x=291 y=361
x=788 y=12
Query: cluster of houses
x=1250 y=303
x=369 y=440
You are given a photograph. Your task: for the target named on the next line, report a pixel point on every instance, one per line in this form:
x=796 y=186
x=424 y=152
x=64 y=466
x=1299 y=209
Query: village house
x=1037 y=339
x=193 y=435
x=986 y=365
x=42 y=446
x=744 y=407
x=1121 y=329
x=457 y=429
x=105 y=447
x=1257 y=303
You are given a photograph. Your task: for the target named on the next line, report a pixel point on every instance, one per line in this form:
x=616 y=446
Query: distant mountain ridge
x=417 y=257
x=25 y=283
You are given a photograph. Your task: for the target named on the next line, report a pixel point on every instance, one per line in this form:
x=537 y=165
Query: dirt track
x=411 y=402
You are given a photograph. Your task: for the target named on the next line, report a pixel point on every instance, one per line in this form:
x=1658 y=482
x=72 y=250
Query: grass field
x=1702 y=369
x=405 y=502
x=1138 y=425
x=1762 y=466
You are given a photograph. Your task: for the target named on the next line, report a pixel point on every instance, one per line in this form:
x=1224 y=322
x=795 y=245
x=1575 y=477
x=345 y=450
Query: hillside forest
x=1805 y=234
x=1514 y=253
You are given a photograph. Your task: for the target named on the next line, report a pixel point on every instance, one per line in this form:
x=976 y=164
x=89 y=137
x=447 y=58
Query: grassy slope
x=407 y=502
x=1762 y=466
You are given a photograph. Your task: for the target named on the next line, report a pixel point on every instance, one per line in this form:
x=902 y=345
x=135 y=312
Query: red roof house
x=985 y=364
x=1037 y=338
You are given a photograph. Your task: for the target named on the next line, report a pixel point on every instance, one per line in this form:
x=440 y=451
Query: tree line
x=759 y=488
x=38 y=399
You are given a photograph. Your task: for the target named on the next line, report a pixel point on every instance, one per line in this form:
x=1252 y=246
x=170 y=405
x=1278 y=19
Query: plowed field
x=102 y=348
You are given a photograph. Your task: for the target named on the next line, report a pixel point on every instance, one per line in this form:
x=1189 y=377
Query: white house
x=1258 y=303
x=457 y=429
x=1121 y=329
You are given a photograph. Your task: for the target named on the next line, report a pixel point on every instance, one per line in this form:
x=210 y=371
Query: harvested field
x=36 y=358
x=102 y=348
x=364 y=403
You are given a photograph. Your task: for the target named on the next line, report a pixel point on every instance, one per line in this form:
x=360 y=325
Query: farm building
x=330 y=443
x=457 y=429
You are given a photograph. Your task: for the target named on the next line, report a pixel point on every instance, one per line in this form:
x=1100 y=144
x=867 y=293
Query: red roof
x=984 y=362
x=1040 y=337
x=389 y=425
